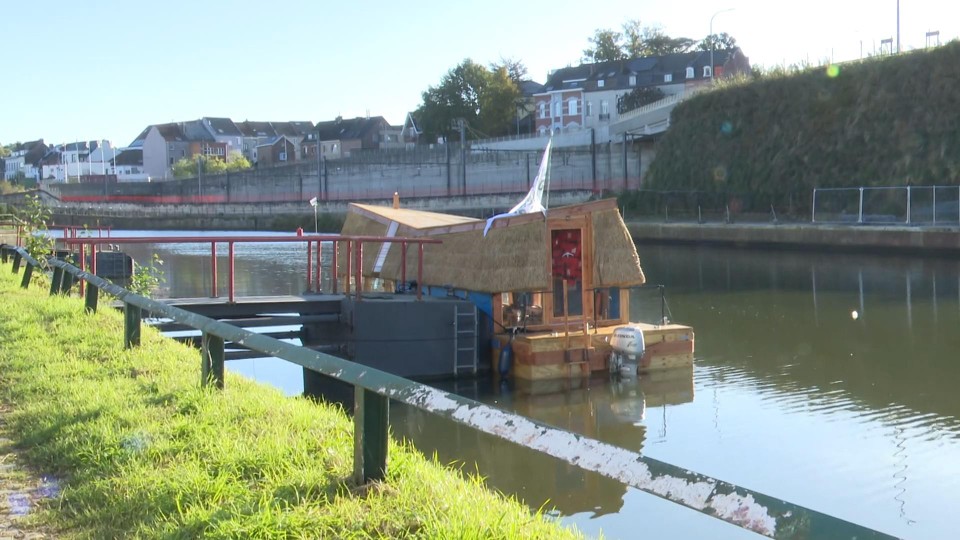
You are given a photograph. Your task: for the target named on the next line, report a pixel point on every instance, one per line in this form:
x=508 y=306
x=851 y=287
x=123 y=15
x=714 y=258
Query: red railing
x=353 y=264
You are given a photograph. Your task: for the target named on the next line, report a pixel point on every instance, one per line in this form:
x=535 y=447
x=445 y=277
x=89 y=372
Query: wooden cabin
x=557 y=285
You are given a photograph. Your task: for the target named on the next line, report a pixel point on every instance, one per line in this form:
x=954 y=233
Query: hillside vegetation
x=888 y=121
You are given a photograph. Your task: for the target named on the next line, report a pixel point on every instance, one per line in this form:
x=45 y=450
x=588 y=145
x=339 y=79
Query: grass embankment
x=884 y=121
x=142 y=451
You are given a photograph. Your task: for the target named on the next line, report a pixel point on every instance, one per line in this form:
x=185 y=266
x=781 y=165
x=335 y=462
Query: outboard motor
x=628 y=346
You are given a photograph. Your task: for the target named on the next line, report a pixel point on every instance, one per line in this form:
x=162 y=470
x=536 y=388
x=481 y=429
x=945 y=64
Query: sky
x=107 y=69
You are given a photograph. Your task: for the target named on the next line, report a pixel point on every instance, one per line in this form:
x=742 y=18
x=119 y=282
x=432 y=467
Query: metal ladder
x=464 y=339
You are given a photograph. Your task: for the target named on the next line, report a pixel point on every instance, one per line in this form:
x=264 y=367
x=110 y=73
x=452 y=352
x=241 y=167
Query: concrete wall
x=377 y=175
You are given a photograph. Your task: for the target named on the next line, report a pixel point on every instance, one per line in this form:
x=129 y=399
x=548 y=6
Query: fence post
x=934 y=204
x=131 y=326
x=212 y=356
x=908 y=205
x=813 y=209
x=27 y=274
x=55 y=280
x=90 y=298
x=16 y=262
x=370 y=416
x=860 y=208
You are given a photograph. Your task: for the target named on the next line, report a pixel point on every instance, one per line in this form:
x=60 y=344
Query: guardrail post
x=55 y=280
x=131 y=326
x=16 y=262
x=91 y=295
x=66 y=283
x=370 y=415
x=27 y=274
x=212 y=355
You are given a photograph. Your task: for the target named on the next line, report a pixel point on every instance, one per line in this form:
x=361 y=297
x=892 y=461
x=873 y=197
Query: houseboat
x=552 y=287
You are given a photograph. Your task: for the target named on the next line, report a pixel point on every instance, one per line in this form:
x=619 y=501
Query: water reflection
x=612 y=410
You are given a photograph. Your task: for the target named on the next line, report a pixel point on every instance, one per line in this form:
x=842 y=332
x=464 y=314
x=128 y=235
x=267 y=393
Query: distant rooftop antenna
x=934 y=37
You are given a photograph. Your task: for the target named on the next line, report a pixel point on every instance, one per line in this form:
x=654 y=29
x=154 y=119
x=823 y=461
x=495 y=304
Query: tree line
x=486 y=100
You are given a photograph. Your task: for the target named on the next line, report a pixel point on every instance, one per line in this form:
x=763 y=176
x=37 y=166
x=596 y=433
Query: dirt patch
x=20 y=492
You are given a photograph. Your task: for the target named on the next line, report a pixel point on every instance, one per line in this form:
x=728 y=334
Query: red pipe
x=83 y=266
x=335 y=272
x=359 y=269
x=233 y=297
x=419 y=270
x=347 y=273
x=319 y=265
x=213 y=271
x=309 y=265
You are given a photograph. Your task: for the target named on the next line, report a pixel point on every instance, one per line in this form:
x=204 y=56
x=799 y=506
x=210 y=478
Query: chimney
x=396 y=200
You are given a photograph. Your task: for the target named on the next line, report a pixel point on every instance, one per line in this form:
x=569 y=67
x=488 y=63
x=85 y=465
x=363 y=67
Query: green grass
x=143 y=451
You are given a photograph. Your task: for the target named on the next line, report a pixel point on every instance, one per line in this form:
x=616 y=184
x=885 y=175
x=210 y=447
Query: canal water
x=830 y=381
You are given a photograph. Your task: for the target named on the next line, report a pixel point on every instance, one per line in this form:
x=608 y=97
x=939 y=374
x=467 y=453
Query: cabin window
x=567 y=272
x=606 y=304
x=668 y=77
x=690 y=72
x=521 y=310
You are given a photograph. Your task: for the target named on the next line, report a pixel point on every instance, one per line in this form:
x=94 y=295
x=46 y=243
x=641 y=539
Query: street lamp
x=713 y=42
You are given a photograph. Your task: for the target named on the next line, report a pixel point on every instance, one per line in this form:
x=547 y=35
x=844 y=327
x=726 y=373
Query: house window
x=543 y=110
x=633 y=80
x=706 y=71
x=668 y=77
x=572 y=106
x=600 y=83
x=690 y=73
x=558 y=108
x=589 y=106
x=604 y=107
x=283 y=156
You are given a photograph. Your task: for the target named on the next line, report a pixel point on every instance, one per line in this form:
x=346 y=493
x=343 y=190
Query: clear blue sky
x=107 y=69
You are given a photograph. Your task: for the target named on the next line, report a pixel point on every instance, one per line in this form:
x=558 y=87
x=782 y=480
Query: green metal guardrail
x=768 y=516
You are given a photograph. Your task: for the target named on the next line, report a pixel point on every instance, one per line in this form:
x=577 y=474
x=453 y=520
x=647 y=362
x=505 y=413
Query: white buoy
x=854 y=315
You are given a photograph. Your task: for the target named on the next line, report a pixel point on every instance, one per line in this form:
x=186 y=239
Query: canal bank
x=804 y=236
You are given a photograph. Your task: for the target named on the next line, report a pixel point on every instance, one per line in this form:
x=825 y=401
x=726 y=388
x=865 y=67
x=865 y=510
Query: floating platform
x=559 y=354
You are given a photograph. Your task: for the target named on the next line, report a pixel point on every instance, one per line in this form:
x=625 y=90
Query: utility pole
x=898 y=26
x=463 y=153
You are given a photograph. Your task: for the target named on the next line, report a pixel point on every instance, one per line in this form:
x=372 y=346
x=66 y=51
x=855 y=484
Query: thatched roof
x=615 y=259
x=514 y=256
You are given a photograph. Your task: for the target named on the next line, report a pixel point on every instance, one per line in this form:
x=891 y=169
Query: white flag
x=313 y=202
x=533 y=202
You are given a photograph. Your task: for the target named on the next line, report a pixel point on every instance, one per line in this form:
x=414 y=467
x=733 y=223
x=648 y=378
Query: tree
x=515 y=68
x=660 y=44
x=237 y=162
x=484 y=99
x=638 y=97
x=717 y=42
x=635 y=41
x=607 y=46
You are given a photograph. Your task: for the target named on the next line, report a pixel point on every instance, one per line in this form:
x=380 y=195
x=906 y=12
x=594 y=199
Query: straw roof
x=615 y=259
x=514 y=256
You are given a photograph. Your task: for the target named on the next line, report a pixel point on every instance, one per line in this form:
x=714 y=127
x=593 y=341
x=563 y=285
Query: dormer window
x=668 y=77
x=633 y=80
x=690 y=73
x=600 y=83
x=707 y=72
